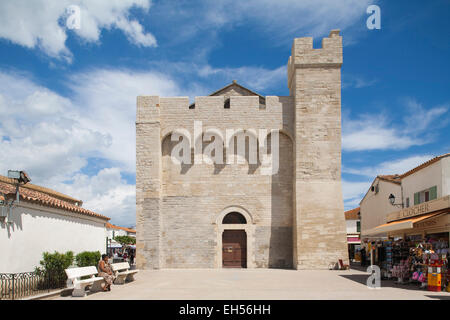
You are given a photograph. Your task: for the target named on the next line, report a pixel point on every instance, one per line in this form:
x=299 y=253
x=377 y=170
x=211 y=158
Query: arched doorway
x=234 y=242
x=235 y=218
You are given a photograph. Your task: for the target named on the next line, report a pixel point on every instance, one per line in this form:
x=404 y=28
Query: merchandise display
x=424 y=262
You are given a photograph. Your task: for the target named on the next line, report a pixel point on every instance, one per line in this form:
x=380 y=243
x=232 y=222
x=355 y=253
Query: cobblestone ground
x=258 y=284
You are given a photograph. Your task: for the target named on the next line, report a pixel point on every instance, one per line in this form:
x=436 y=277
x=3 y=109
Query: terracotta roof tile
x=395 y=178
x=424 y=165
x=48 y=191
x=352 y=214
x=112 y=226
x=45 y=197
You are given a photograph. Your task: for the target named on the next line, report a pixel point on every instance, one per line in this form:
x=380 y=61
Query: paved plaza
x=244 y=284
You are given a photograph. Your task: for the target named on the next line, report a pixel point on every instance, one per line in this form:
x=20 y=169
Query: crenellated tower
x=314 y=80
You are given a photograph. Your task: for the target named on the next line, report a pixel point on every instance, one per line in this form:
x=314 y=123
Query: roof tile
x=46 y=197
x=352 y=214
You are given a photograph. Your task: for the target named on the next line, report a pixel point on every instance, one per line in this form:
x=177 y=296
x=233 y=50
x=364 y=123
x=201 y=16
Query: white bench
x=74 y=274
x=123 y=273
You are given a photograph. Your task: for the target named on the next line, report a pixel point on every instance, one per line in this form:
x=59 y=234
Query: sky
x=68 y=95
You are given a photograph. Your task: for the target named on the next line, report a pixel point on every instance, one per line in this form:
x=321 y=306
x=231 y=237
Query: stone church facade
x=209 y=215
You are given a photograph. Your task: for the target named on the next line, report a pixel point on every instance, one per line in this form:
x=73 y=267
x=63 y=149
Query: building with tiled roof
x=117 y=230
x=419 y=191
x=352 y=220
x=394 y=178
x=39 y=219
x=352 y=214
x=374 y=206
x=424 y=165
x=44 y=197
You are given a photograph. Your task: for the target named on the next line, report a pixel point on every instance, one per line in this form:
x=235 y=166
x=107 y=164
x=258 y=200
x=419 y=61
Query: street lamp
x=392 y=201
x=20 y=178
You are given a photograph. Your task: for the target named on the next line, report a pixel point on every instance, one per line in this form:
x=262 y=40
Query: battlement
x=303 y=54
x=151 y=108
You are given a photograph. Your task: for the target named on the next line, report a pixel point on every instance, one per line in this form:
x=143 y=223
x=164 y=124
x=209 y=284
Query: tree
x=124 y=240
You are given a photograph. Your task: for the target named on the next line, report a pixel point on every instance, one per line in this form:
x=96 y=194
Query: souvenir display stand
x=421 y=262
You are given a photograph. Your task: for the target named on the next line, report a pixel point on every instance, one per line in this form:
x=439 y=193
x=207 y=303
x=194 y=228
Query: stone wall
x=296 y=216
x=314 y=79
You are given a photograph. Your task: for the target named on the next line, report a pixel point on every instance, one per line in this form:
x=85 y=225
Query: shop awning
x=404 y=224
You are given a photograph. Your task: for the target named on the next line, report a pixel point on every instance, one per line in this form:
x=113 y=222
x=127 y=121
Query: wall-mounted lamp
x=21 y=176
x=6 y=206
x=392 y=201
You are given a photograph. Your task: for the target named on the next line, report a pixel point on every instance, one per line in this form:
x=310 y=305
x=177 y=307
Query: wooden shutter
x=416 y=198
x=433 y=192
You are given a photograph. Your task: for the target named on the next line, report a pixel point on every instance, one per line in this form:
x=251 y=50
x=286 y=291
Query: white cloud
x=354 y=191
x=398 y=166
x=43 y=133
x=356 y=81
x=257 y=78
x=38 y=23
x=378 y=132
x=134 y=32
x=279 y=21
x=106 y=193
x=53 y=137
x=106 y=101
x=374 y=132
x=42 y=24
x=419 y=119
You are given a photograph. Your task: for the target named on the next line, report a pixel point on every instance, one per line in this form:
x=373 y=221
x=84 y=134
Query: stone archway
x=225 y=224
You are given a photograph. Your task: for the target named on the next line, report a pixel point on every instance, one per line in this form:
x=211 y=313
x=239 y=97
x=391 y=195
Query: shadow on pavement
x=447 y=297
x=357 y=266
x=362 y=279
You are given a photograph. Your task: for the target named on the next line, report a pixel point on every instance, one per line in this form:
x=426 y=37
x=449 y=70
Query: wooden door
x=234 y=249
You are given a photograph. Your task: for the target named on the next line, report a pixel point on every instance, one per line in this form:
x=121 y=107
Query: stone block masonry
x=294 y=218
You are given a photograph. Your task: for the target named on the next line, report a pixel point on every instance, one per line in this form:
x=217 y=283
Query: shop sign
x=441 y=221
x=420 y=209
x=353 y=239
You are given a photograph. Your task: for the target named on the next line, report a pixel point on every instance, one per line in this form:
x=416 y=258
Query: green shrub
x=88 y=258
x=125 y=240
x=52 y=268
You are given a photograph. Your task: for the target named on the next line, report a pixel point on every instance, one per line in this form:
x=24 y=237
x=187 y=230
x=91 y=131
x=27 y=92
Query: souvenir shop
x=415 y=251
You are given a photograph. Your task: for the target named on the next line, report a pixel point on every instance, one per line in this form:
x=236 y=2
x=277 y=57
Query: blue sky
x=67 y=97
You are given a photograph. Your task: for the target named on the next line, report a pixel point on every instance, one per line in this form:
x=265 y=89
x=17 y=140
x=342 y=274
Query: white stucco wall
x=351 y=226
x=37 y=229
x=116 y=232
x=445 y=166
x=375 y=206
x=423 y=179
